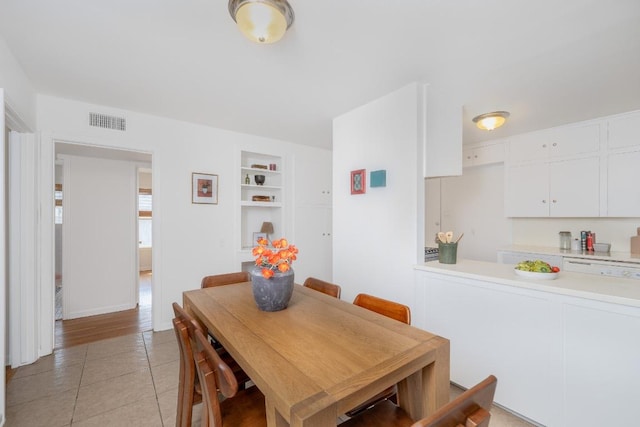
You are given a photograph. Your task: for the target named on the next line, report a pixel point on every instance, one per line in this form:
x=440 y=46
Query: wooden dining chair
x=322 y=286
x=394 y=310
x=239 y=408
x=470 y=409
x=387 y=308
x=189 y=390
x=224 y=279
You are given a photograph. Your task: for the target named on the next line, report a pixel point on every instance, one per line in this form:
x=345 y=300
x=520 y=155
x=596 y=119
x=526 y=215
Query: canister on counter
x=583 y=240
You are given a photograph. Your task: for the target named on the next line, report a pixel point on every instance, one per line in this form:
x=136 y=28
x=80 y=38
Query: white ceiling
x=548 y=62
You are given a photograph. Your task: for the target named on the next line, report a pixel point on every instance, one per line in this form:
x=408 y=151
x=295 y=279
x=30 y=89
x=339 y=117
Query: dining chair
x=470 y=409
x=189 y=390
x=224 y=279
x=322 y=286
x=239 y=408
x=394 y=310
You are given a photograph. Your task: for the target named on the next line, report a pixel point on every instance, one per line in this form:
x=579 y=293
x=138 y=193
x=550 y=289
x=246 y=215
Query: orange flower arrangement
x=280 y=258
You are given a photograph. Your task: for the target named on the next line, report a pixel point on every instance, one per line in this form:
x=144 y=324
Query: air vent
x=107 y=122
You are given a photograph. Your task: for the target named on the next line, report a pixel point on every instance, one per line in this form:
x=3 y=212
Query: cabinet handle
x=475 y=157
x=554 y=200
x=468 y=157
x=544 y=145
x=544 y=201
x=555 y=143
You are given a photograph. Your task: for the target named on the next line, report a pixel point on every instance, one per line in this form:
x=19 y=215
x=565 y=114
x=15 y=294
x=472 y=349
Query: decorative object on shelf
x=491 y=121
x=204 y=188
x=259 y=179
x=358 y=181
x=267 y=228
x=272 y=166
x=247 y=180
x=378 y=178
x=261 y=198
x=272 y=277
x=262 y=21
x=255 y=166
x=257 y=236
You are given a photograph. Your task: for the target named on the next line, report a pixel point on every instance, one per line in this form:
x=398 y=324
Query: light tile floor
x=126 y=381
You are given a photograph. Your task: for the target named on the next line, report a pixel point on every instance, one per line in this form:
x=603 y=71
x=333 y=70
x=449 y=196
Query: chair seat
x=245 y=409
x=383 y=414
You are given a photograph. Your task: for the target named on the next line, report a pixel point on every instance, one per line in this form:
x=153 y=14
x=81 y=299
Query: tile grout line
x=155 y=390
x=75 y=402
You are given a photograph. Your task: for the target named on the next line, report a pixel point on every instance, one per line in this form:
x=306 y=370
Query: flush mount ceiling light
x=491 y=121
x=262 y=21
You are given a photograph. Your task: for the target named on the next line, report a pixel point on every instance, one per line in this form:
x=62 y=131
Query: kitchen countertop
x=547 y=250
x=606 y=289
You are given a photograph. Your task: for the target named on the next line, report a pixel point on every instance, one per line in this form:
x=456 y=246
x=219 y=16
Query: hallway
x=94 y=328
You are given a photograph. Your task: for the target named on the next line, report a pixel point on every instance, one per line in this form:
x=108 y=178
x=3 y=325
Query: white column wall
x=378 y=236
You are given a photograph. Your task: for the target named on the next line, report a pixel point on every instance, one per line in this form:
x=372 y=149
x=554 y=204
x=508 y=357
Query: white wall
x=473 y=204
x=377 y=236
x=99 y=236
x=19 y=94
x=190 y=240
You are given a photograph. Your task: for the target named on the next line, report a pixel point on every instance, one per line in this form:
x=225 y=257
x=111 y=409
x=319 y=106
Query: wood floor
x=93 y=328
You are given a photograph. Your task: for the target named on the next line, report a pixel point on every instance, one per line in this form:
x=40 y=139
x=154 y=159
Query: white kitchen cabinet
x=313 y=238
x=566 y=188
x=601 y=364
x=554 y=355
x=624 y=130
x=513 y=335
x=623 y=176
x=482 y=155
x=313 y=215
x=314 y=179
x=555 y=143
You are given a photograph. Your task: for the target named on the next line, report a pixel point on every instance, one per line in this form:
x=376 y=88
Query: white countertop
x=590 y=286
x=545 y=250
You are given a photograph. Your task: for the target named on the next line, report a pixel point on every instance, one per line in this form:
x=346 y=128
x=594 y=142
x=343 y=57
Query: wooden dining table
x=321 y=356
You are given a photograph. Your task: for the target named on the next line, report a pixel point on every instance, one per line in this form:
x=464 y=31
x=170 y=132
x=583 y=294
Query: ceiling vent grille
x=107 y=122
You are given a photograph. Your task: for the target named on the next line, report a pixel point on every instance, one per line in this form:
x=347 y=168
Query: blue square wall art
x=378 y=178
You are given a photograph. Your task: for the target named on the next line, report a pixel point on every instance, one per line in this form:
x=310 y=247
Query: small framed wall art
x=359 y=181
x=204 y=188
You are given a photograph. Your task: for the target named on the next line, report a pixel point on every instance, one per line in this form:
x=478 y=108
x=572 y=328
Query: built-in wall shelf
x=253 y=213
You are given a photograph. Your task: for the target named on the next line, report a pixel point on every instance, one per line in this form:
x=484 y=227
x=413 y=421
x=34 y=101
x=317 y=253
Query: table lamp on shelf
x=267 y=227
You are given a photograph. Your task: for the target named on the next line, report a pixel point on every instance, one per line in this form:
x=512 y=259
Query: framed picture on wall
x=358 y=181
x=204 y=188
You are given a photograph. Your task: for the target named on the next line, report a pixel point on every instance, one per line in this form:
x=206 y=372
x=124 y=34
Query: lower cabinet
x=559 y=360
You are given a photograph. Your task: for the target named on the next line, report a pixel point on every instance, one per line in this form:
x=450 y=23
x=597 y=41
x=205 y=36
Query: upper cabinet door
x=527 y=190
x=574 y=188
x=624 y=130
x=529 y=147
x=573 y=140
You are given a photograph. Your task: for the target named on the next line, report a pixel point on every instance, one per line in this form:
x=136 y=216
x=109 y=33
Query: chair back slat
x=470 y=409
x=224 y=279
x=330 y=289
x=394 y=310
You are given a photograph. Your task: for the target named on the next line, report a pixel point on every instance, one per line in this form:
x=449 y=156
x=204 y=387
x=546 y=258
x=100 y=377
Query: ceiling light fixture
x=491 y=121
x=262 y=21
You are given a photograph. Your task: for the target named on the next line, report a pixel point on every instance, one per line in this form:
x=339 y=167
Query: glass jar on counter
x=565 y=240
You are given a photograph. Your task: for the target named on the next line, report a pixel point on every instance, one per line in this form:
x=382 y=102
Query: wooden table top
x=322 y=356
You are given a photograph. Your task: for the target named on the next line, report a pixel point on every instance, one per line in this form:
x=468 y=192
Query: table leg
x=426 y=390
x=274 y=419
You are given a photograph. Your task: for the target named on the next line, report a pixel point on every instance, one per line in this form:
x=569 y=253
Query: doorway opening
x=117 y=182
